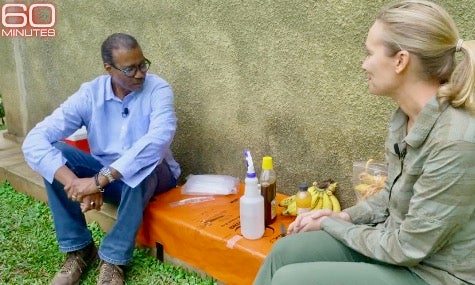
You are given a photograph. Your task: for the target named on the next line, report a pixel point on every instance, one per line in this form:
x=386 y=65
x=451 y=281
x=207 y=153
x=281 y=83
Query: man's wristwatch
x=106 y=172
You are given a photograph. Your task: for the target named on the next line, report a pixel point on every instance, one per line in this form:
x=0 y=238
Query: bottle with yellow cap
x=303 y=199
x=268 y=189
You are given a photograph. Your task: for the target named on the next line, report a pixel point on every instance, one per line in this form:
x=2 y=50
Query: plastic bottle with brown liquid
x=268 y=189
x=303 y=199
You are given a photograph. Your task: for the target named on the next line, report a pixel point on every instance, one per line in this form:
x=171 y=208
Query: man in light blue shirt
x=130 y=120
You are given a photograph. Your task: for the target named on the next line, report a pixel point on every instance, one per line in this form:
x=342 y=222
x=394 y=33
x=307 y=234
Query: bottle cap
x=267 y=163
x=303 y=186
x=251 y=175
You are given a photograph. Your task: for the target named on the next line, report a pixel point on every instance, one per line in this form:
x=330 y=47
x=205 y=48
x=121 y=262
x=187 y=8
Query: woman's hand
x=311 y=221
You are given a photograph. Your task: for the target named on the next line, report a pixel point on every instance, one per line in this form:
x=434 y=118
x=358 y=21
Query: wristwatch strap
x=106 y=172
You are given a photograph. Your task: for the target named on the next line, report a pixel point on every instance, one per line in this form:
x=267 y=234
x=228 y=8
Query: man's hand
x=92 y=202
x=78 y=188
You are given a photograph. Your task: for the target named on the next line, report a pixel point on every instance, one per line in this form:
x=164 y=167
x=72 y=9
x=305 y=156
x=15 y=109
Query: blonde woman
x=421 y=228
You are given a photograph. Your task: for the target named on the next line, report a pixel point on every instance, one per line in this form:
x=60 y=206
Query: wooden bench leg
x=159 y=253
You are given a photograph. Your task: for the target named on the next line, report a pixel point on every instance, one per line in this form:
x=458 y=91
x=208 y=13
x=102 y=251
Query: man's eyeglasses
x=130 y=71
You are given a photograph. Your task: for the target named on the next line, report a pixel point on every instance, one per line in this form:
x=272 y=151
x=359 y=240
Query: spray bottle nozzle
x=251 y=173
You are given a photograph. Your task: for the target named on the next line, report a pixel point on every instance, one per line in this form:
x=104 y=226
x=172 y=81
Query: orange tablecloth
x=207 y=235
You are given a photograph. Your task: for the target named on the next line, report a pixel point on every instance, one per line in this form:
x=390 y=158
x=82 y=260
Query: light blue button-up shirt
x=133 y=144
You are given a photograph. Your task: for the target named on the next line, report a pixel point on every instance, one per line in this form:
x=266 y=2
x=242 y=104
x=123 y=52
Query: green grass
x=3 y=127
x=29 y=253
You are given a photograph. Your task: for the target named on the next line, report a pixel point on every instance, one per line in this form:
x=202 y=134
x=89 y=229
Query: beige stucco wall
x=281 y=77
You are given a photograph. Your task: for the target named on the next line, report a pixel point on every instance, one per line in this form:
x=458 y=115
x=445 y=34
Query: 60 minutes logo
x=28 y=20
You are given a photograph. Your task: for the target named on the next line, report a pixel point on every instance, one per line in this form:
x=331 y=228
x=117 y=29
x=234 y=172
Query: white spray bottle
x=251 y=204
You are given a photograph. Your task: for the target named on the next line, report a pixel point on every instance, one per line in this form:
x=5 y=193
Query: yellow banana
x=312 y=189
x=336 y=207
x=336 y=204
x=291 y=209
x=322 y=198
x=286 y=201
x=327 y=204
x=319 y=204
x=315 y=199
x=332 y=187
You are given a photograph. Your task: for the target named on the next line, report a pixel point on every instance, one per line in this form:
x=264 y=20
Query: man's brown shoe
x=110 y=274
x=76 y=262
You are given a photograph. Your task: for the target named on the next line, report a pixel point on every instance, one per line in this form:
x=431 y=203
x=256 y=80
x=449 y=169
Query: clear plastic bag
x=210 y=184
x=369 y=177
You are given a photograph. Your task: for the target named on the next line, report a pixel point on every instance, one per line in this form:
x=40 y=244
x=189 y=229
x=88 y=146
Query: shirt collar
x=110 y=92
x=425 y=122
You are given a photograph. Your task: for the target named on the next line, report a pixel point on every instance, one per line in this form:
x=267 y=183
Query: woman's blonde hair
x=427 y=31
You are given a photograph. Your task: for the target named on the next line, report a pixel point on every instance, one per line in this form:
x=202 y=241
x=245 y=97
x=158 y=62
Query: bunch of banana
x=322 y=198
x=325 y=198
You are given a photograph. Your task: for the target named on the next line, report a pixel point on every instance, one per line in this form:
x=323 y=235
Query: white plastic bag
x=210 y=184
